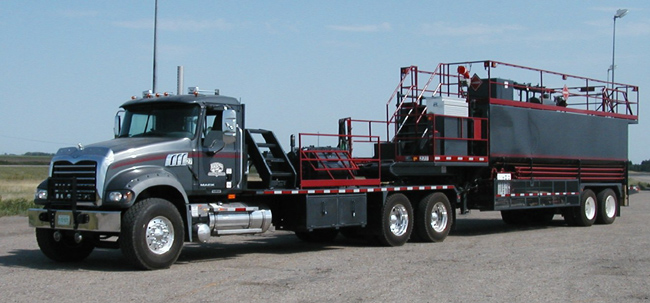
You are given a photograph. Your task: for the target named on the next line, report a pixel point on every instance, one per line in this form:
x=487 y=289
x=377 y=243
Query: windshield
x=169 y=120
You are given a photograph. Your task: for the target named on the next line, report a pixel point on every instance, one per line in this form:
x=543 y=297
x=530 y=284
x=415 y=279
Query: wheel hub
x=590 y=208
x=439 y=217
x=610 y=206
x=399 y=219
x=159 y=235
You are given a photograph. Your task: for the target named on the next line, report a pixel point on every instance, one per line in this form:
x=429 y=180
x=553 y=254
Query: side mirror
x=229 y=126
x=117 y=127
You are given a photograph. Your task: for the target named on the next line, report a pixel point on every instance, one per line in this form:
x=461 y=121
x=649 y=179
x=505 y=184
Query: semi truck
x=466 y=136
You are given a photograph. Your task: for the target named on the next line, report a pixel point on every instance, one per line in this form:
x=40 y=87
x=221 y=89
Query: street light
x=619 y=14
x=155 y=37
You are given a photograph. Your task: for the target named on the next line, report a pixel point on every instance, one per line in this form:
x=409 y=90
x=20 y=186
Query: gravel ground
x=483 y=260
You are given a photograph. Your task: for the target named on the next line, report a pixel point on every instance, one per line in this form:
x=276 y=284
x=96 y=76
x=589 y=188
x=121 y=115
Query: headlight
x=120 y=196
x=41 y=194
x=115 y=196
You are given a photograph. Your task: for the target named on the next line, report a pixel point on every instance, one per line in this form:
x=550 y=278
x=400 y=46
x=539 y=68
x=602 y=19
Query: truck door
x=221 y=151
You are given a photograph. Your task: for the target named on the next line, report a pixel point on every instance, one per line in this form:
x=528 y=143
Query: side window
x=212 y=122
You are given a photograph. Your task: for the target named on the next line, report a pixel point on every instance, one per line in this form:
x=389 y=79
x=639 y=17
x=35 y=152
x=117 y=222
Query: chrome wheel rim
x=610 y=206
x=590 y=208
x=399 y=220
x=160 y=235
x=439 y=217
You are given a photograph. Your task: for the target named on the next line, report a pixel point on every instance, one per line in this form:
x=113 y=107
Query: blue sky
x=298 y=66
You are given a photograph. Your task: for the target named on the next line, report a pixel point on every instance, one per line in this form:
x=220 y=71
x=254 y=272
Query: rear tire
x=585 y=215
x=607 y=206
x=433 y=218
x=66 y=249
x=396 y=220
x=152 y=234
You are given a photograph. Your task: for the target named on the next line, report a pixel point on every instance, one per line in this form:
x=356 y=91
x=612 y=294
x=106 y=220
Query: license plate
x=63 y=220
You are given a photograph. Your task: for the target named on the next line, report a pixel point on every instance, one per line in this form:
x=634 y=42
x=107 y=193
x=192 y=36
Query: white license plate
x=63 y=220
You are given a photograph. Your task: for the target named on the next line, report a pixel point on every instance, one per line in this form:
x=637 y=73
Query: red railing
x=335 y=166
x=555 y=91
x=550 y=91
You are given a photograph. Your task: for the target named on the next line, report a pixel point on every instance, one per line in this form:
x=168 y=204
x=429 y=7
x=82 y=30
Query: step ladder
x=271 y=161
x=414 y=132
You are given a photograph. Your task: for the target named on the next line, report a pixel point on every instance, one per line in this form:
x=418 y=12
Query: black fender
x=138 y=180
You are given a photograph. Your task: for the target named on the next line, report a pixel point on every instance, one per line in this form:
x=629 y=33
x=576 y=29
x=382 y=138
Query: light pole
x=619 y=14
x=155 y=37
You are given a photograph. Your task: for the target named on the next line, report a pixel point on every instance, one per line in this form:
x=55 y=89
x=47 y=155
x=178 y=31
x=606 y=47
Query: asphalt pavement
x=483 y=260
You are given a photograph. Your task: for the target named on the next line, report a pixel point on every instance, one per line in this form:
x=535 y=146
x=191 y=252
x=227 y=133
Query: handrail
x=312 y=159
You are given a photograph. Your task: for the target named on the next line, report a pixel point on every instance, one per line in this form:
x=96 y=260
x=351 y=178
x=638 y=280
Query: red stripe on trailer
x=355 y=190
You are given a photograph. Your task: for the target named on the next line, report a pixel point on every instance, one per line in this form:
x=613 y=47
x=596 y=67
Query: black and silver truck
x=185 y=168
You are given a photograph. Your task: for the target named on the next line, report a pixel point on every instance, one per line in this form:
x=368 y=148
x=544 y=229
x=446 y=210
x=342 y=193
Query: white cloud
x=382 y=27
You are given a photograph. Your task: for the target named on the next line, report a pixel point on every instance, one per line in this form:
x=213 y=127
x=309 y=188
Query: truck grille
x=64 y=177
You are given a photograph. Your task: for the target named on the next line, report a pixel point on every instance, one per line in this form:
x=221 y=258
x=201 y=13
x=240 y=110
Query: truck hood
x=112 y=151
x=123 y=148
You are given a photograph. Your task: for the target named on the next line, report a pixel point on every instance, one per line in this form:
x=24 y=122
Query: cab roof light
x=194 y=90
x=146 y=94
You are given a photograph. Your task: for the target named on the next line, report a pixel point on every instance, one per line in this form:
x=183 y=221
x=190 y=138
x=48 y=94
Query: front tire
x=66 y=249
x=607 y=206
x=433 y=218
x=152 y=234
x=396 y=220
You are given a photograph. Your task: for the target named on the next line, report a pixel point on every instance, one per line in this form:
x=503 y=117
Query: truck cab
x=170 y=150
x=199 y=138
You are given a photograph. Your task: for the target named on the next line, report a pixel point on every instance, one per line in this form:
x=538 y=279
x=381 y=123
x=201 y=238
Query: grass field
x=17 y=186
x=24 y=160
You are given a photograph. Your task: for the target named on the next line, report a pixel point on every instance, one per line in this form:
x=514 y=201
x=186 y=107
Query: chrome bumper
x=99 y=221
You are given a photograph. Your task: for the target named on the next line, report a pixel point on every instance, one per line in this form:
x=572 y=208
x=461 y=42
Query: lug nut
x=78 y=238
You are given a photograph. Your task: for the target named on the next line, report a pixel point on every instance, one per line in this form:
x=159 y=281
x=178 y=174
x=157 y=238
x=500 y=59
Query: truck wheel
x=66 y=249
x=396 y=222
x=585 y=214
x=152 y=234
x=607 y=206
x=433 y=218
x=318 y=235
